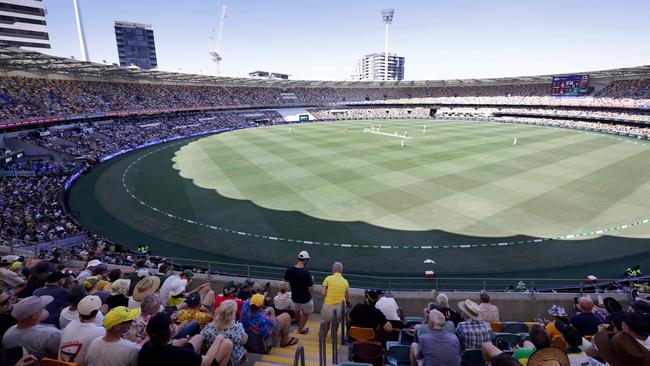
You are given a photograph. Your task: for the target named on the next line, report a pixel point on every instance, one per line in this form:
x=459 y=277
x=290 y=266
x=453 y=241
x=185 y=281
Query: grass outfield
x=462 y=193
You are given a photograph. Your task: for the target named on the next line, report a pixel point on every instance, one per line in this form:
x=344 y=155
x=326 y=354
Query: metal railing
x=385 y=282
x=395 y=283
x=335 y=331
x=322 y=346
x=299 y=356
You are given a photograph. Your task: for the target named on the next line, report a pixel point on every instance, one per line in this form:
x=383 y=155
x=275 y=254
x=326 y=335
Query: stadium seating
x=31 y=190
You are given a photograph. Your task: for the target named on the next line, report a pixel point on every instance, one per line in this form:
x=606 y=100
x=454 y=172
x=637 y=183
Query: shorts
x=307 y=308
x=327 y=312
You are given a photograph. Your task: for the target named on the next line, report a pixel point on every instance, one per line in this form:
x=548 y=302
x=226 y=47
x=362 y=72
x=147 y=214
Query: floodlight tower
x=387 y=17
x=215 y=45
x=80 y=30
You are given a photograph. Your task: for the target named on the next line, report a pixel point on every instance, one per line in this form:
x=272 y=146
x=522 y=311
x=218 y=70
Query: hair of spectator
x=485 y=297
x=539 y=337
x=149 y=303
x=443 y=301
x=76 y=294
x=337 y=267
x=114 y=274
x=224 y=316
x=436 y=319
x=283 y=287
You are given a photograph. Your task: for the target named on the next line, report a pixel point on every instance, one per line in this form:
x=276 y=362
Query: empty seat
x=398 y=354
x=369 y=352
x=472 y=357
x=514 y=328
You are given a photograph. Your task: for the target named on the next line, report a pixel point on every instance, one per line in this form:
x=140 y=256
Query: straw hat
x=470 y=308
x=549 y=356
x=145 y=286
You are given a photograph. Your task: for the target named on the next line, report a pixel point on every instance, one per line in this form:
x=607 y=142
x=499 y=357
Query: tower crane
x=215 y=44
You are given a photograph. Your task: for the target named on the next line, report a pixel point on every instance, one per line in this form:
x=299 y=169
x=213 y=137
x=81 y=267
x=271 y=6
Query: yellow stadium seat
x=52 y=362
x=361 y=334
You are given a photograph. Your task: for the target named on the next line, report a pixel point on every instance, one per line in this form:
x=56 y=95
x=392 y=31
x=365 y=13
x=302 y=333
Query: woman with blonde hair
x=225 y=323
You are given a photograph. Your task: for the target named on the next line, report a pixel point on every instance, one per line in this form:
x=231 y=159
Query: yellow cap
x=257 y=300
x=120 y=315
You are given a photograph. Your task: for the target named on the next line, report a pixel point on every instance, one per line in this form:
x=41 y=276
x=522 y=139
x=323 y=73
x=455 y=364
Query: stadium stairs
x=284 y=355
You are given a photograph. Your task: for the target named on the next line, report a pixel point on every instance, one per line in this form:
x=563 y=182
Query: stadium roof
x=16 y=59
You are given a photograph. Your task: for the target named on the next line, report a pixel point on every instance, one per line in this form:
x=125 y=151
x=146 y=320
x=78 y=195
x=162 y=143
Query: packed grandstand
x=66 y=117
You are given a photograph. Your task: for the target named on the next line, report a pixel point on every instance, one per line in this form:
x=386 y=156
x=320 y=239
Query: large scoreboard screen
x=570 y=86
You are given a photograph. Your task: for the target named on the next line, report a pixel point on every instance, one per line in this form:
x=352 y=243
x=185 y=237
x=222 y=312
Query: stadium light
x=80 y=30
x=387 y=17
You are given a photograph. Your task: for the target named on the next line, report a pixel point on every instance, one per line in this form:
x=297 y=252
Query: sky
x=321 y=40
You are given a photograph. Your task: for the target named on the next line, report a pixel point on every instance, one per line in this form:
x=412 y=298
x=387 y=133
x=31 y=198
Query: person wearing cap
x=146 y=286
x=80 y=332
x=176 y=293
x=472 y=332
x=194 y=311
x=89 y=269
x=585 y=321
x=159 y=350
x=225 y=324
x=245 y=291
x=54 y=287
x=263 y=322
x=40 y=340
x=119 y=290
x=229 y=292
x=111 y=349
x=10 y=280
x=301 y=283
x=559 y=315
x=366 y=315
x=71 y=313
x=164 y=289
x=436 y=347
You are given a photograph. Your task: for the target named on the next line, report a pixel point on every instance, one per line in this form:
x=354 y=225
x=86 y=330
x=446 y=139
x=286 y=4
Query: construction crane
x=215 y=44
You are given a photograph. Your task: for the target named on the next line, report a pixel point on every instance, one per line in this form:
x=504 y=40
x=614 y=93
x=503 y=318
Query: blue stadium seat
x=398 y=354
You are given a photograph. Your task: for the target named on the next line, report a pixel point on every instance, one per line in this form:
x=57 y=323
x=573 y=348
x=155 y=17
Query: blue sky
x=442 y=39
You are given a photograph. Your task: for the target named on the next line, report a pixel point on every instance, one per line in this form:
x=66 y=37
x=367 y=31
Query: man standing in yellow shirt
x=335 y=290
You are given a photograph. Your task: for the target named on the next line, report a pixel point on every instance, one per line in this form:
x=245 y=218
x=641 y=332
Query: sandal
x=291 y=342
x=304 y=331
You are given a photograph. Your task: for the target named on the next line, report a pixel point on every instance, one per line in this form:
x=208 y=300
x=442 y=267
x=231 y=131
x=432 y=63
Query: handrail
x=335 y=331
x=344 y=324
x=299 y=355
x=322 y=351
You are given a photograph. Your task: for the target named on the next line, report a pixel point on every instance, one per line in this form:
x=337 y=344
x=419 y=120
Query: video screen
x=570 y=86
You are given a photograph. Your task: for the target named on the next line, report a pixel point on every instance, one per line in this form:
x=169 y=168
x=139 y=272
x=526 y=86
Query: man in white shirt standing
x=388 y=306
x=78 y=334
x=112 y=350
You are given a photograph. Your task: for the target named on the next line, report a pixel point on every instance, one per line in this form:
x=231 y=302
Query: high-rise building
x=373 y=67
x=22 y=24
x=135 y=44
